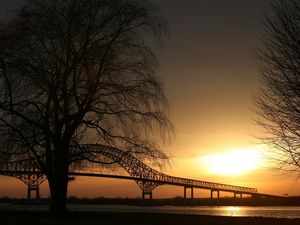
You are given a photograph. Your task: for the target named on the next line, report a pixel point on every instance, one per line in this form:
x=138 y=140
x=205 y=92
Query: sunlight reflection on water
x=279 y=212
x=274 y=211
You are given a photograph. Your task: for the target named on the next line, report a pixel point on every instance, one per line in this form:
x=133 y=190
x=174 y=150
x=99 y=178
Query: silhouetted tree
x=76 y=72
x=278 y=103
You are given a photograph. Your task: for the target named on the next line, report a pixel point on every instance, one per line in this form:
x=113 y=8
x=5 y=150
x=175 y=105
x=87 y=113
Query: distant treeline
x=177 y=201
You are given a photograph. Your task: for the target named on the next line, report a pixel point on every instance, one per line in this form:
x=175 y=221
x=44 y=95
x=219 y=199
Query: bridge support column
x=237 y=199
x=235 y=194
x=144 y=194
x=192 y=192
x=35 y=189
x=33 y=182
x=212 y=197
x=147 y=189
x=185 y=196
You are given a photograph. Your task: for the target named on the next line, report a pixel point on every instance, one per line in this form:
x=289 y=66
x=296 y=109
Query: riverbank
x=92 y=218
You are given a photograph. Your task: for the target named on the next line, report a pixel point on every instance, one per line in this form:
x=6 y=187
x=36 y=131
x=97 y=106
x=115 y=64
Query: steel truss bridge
x=146 y=177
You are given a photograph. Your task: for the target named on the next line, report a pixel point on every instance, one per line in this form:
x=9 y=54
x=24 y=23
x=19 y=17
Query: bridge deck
x=184 y=182
x=191 y=183
x=145 y=176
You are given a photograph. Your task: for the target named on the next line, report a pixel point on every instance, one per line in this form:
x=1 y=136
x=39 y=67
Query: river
x=274 y=211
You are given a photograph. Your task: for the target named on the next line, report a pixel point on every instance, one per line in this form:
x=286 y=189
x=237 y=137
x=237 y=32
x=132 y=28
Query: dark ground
x=92 y=218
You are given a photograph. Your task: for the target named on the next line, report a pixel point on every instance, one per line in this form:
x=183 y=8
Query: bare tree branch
x=278 y=102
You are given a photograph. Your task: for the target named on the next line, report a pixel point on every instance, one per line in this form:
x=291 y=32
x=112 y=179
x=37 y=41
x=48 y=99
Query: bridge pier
x=147 y=189
x=146 y=193
x=192 y=192
x=184 y=193
x=31 y=189
x=212 y=197
x=33 y=182
x=235 y=194
x=237 y=202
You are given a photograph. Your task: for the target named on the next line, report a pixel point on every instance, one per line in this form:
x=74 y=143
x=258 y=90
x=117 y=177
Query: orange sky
x=210 y=74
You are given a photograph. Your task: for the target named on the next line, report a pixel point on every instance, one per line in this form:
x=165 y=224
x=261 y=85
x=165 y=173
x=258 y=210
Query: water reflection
x=233 y=211
x=277 y=211
x=233 y=208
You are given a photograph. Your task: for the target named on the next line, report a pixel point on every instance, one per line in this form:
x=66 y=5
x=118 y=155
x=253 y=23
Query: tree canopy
x=76 y=72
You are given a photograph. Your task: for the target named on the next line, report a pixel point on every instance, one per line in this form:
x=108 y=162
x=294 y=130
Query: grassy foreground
x=93 y=218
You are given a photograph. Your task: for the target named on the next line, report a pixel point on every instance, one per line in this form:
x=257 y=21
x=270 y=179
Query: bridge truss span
x=148 y=178
x=26 y=171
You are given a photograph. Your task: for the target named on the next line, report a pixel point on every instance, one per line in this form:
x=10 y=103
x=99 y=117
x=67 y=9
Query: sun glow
x=233 y=162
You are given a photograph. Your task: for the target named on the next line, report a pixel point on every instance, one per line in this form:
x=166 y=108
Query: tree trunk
x=58 y=180
x=58 y=185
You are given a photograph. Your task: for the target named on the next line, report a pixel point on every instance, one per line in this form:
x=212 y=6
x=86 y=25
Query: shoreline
x=9 y=217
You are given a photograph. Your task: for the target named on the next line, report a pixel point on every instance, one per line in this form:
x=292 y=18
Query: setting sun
x=233 y=162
